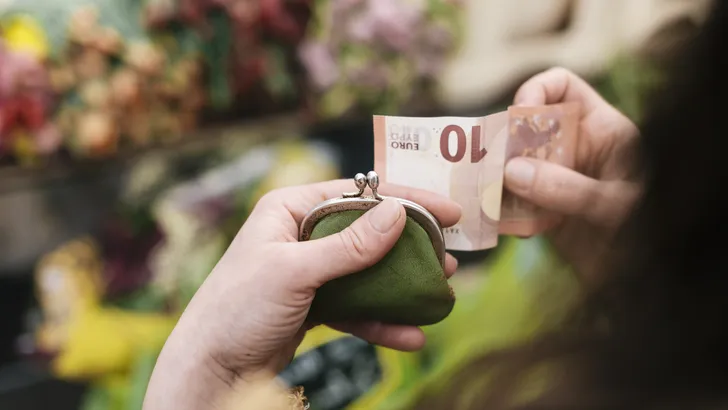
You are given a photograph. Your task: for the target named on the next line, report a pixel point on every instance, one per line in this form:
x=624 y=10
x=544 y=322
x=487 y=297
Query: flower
x=23 y=33
x=396 y=22
x=375 y=53
x=322 y=68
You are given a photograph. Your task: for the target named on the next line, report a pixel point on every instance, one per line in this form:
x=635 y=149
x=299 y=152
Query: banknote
x=549 y=133
x=461 y=158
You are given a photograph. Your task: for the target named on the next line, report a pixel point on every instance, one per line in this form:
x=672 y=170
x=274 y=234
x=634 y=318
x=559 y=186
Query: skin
x=249 y=315
x=593 y=198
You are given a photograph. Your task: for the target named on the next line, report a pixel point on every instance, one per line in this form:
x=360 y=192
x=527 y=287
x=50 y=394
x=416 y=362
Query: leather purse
x=408 y=286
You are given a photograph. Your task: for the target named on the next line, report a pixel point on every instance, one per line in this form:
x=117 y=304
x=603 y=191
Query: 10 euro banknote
x=464 y=158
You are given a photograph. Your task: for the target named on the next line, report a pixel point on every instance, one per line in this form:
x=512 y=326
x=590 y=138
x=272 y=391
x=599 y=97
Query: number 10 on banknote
x=464 y=158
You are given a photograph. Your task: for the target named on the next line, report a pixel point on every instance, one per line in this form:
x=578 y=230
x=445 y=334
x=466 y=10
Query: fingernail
x=520 y=172
x=385 y=215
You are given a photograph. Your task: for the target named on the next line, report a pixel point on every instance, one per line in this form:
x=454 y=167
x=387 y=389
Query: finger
x=558 y=85
x=451 y=265
x=299 y=200
x=357 y=247
x=562 y=190
x=447 y=211
x=404 y=338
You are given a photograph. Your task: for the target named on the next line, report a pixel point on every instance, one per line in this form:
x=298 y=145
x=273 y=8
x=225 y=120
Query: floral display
x=93 y=78
x=246 y=42
x=25 y=100
x=115 y=93
x=382 y=56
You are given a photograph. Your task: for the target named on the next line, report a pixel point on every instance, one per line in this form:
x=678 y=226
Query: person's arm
x=194 y=381
x=189 y=378
x=245 y=322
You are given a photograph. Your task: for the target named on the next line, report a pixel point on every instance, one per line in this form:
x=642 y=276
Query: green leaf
x=148 y=299
x=217 y=55
x=277 y=78
x=96 y=398
x=628 y=83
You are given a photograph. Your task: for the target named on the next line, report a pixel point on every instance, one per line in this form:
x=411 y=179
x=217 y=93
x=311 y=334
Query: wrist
x=187 y=376
x=202 y=383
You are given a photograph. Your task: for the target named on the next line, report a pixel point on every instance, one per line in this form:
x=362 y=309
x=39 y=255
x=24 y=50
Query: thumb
x=560 y=189
x=357 y=247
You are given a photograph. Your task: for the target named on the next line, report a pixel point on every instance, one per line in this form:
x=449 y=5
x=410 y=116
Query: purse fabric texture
x=408 y=286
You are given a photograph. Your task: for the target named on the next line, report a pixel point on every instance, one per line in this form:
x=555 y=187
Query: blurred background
x=136 y=135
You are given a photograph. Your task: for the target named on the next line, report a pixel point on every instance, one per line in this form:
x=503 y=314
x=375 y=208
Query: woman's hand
x=249 y=316
x=593 y=198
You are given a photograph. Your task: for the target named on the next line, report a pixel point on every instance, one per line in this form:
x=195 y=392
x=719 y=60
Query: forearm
x=186 y=377
x=202 y=387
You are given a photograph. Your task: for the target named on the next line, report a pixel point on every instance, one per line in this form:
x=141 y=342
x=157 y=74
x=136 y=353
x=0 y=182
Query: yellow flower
x=23 y=33
x=24 y=147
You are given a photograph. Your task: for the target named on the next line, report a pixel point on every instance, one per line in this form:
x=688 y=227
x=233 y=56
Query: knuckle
x=561 y=72
x=270 y=197
x=275 y=197
x=591 y=201
x=545 y=184
x=353 y=244
x=545 y=189
x=563 y=190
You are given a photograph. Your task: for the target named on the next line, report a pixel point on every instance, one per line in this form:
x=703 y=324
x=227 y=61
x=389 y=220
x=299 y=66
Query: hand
x=249 y=315
x=595 y=197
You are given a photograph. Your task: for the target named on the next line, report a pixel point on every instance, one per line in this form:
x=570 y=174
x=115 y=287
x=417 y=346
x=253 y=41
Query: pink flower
x=362 y=29
x=341 y=8
x=395 y=22
x=19 y=72
x=320 y=64
x=48 y=139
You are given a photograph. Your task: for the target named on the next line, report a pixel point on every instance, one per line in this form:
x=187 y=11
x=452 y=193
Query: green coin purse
x=408 y=286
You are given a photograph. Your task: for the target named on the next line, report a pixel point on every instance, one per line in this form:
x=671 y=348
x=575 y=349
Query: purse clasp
x=361 y=181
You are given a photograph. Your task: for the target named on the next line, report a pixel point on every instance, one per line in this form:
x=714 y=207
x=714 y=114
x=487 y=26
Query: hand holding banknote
x=564 y=152
x=594 y=196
